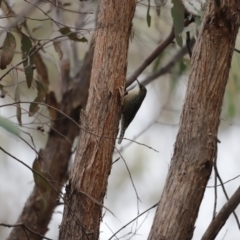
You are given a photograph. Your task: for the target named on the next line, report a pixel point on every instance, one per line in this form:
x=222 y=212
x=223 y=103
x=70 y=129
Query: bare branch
x=225 y=193
x=169 y=65
x=215 y=189
x=114 y=235
x=24 y=227
x=219 y=221
x=219 y=185
x=21 y=16
x=150 y=58
x=154 y=55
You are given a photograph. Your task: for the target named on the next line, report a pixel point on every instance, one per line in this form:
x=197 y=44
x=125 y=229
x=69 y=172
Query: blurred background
x=153 y=130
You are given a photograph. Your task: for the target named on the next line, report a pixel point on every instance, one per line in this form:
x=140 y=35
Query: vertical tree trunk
x=99 y=123
x=196 y=142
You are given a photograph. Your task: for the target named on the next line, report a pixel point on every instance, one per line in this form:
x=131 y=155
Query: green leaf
x=8 y=50
x=177 y=12
x=71 y=35
x=41 y=70
x=148 y=15
x=27 y=48
x=9 y=126
x=34 y=106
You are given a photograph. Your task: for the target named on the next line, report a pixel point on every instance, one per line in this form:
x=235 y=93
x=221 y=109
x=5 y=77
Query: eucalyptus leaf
x=9 y=126
x=8 y=50
x=27 y=47
x=177 y=12
x=34 y=106
x=148 y=15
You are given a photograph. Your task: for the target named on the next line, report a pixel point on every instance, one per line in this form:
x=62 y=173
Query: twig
x=179 y=55
x=150 y=58
x=142 y=144
x=155 y=205
x=216 y=225
x=154 y=55
x=219 y=185
x=225 y=193
x=236 y=50
x=115 y=160
x=33 y=148
x=18 y=18
x=68 y=10
x=215 y=185
x=24 y=227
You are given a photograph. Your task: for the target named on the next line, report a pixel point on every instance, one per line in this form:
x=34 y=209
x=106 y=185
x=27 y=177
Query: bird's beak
x=138 y=83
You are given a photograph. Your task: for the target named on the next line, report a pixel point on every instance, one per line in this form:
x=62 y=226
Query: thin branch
x=225 y=193
x=114 y=235
x=221 y=218
x=18 y=18
x=151 y=58
x=20 y=161
x=154 y=55
x=130 y=176
x=141 y=144
x=219 y=185
x=30 y=138
x=215 y=182
x=24 y=227
x=33 y=148
x=215 y=189
x=179 y=55
x=236 y=50
x=68 y=10
x=71 y=119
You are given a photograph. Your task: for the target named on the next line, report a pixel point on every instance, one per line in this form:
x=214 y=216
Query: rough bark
x=99 y=123
x=39 y=208
x=196 y=142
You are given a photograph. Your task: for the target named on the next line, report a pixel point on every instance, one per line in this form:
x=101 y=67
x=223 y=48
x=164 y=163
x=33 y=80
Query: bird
x=131 y=104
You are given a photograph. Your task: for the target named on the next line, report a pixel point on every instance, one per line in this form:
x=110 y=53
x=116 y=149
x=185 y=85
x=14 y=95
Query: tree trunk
x=196 y=142
x=99 y=123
